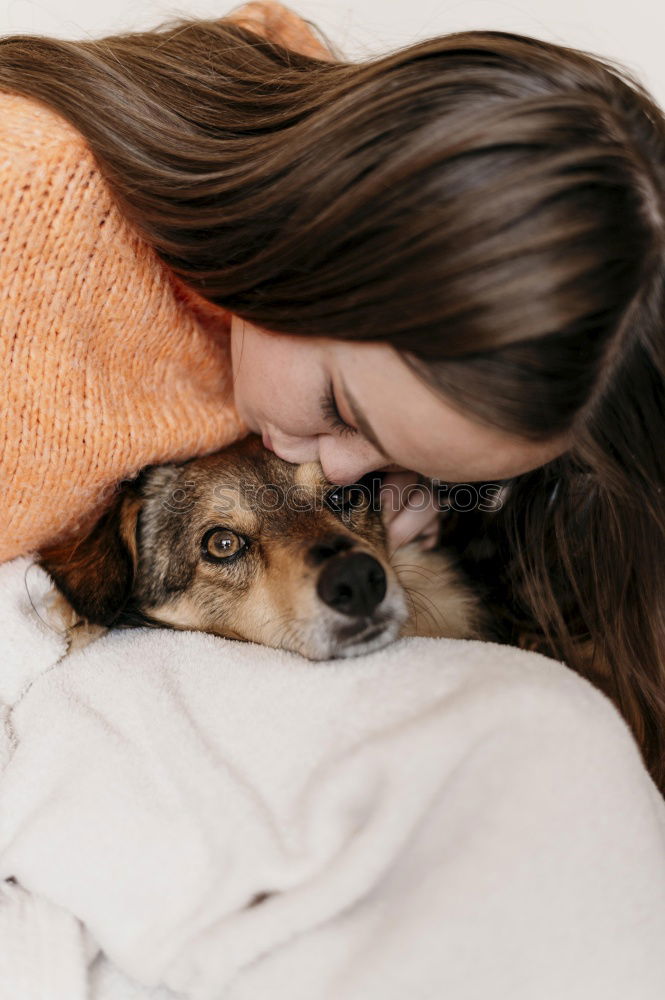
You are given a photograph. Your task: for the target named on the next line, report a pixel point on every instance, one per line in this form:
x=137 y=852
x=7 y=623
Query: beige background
x=632 y=32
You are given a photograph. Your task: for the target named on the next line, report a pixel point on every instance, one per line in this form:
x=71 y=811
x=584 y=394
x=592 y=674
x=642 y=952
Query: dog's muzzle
x=364 y=607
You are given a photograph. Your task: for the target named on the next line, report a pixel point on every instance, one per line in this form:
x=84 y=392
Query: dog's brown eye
x=222 y=543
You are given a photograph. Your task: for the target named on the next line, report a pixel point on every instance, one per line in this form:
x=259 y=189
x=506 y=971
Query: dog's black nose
x=353 y=584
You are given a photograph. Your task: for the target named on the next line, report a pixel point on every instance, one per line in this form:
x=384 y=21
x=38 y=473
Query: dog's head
x=243 y=545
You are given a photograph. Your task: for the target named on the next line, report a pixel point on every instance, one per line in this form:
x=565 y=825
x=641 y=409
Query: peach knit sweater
x=107 y=361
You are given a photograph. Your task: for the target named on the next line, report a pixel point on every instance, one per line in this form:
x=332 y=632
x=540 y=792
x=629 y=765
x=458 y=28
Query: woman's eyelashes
x=332 y=415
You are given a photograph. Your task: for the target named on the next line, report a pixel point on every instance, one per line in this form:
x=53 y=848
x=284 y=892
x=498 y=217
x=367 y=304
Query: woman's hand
x=409 y=509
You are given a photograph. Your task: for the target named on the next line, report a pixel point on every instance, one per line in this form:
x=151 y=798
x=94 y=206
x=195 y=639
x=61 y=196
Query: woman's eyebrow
x=361 y=420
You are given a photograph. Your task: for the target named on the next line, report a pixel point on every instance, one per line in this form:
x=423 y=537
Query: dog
x=247 y=546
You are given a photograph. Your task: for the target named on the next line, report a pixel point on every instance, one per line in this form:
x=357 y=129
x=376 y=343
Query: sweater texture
x=108 y=362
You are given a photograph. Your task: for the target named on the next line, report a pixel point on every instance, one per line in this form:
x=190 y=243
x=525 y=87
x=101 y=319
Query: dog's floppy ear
x=96 y=572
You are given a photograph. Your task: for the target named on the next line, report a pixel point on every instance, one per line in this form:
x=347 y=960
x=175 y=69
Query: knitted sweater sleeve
x=104 y=365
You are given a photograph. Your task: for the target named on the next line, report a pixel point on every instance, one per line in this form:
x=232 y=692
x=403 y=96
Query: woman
x=447 y=259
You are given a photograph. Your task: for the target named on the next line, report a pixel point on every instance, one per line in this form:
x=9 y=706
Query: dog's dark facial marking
x=327 y=547
x=165 y=564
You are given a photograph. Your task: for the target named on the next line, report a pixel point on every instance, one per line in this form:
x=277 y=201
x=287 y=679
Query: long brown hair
x=489 y=203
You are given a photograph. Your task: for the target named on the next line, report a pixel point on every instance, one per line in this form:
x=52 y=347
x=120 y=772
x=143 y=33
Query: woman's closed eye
x=332 y=415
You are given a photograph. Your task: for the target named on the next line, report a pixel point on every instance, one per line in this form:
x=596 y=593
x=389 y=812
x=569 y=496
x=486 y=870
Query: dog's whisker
x=410 y=602
x=419 y=600
x=49 y=625
x=427 y=605
x=420 y=613
x=423 y=571
x=286 y=617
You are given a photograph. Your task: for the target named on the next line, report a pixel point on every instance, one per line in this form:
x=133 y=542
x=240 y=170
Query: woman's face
x=356 y=407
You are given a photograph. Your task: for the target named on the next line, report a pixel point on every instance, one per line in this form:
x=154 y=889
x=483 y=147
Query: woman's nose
x=345 y=461
x=296 y=449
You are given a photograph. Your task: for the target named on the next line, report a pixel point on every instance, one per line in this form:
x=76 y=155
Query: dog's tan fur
x=146 y=562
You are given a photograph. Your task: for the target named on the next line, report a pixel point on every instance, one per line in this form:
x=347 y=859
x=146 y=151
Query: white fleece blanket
x=442 y=819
